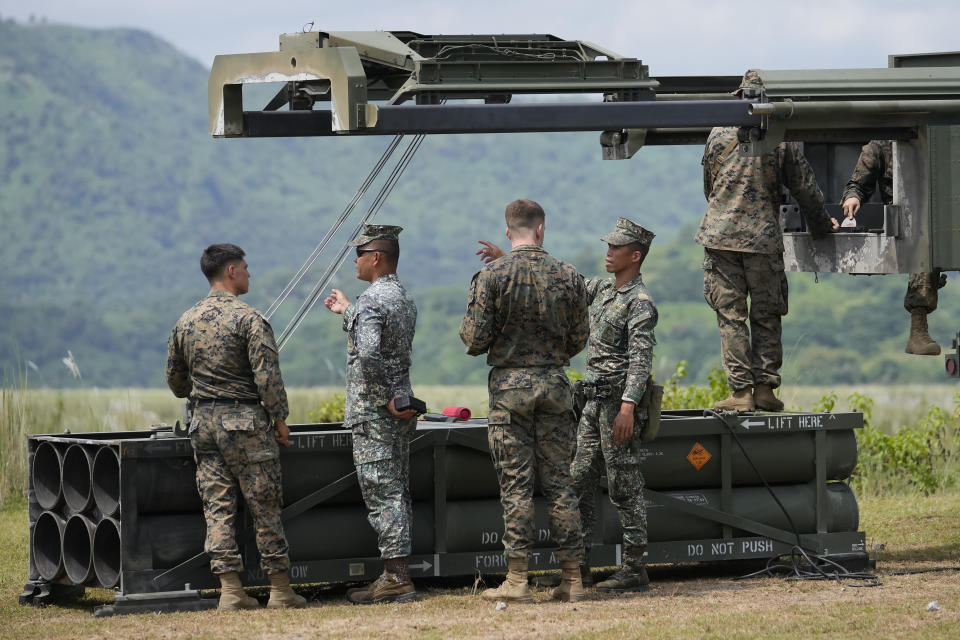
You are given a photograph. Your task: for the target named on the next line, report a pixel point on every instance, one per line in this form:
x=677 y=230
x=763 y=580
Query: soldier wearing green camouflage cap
x=629 y=232
x=751 y=82
x=619 y=362
x=380 y=327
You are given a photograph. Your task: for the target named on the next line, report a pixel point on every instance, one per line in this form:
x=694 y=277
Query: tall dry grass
x=13 y=443
x=25 y=411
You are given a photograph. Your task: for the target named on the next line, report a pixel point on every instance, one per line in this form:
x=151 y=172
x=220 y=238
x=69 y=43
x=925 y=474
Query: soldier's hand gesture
x=336 y=301
x=490 y=252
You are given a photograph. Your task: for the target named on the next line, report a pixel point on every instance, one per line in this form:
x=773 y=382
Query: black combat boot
x=632 y=575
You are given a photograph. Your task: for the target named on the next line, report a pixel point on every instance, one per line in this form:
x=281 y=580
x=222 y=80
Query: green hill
x=110 y=187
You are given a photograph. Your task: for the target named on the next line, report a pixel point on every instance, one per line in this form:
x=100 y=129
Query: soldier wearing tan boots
x=527 y=311
x=222 y=355
x=743 y=255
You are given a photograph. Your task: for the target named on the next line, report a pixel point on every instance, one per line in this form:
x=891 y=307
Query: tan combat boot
x=766 y=400
x=393 y=585
x=281 y=595
x=920 y=343
x=232 y=596
x=515 y=587
x=740 y=401
x=361 y=591
x=571 y=588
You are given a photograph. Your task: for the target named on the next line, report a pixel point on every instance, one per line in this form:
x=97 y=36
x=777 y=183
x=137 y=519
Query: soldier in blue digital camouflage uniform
x=527 y=311
x=743 y=255
x=222 y=355
x=380 y=327
x=874 y=172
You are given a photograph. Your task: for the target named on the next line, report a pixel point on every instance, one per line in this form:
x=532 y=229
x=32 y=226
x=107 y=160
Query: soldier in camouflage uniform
x=528 y=313
x=222 y=355
x=743 y=246
x=380 y=327
x=619 y=361
x=874 y=172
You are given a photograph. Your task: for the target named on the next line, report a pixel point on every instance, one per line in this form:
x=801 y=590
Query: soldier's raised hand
x=336 y=301
x=490 y=252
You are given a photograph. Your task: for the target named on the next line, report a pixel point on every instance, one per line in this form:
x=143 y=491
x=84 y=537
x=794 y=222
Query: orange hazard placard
x=698 y=456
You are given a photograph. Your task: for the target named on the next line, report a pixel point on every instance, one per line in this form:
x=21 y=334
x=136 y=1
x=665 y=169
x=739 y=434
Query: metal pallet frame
x=138 y=582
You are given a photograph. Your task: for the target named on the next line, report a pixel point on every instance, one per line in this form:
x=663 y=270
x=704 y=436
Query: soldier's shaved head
x=524 y=216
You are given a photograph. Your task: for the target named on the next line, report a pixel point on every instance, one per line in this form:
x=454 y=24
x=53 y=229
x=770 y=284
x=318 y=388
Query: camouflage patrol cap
x=373 y=232
x=751 y=80
x=627 y=232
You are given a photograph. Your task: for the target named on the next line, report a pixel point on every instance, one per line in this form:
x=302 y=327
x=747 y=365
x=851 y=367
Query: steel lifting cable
x=317 y=292
x=287 y=290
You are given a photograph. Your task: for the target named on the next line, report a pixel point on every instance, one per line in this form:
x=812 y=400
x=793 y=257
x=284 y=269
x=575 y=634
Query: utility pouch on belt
x=652 y=398
x=579 y=399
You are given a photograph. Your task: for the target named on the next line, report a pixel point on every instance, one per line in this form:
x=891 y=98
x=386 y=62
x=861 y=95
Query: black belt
x=601 y=388
x=223 y=402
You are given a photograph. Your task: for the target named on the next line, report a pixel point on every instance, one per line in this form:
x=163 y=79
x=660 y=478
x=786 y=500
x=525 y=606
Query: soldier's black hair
x=642 y=248
x=216 y=257
x=524 y=214
x=388 y=247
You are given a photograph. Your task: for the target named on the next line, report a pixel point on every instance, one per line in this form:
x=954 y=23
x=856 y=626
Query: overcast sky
x=671 y=36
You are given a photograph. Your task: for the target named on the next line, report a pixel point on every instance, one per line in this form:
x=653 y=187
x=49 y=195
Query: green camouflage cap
x=751 y=80
x=373 y=232
x=626 y=232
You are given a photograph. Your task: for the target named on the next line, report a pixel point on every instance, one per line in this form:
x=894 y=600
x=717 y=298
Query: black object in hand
x=402 y=403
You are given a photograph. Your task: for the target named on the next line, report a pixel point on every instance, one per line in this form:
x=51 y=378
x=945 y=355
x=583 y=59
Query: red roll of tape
x=457 y=412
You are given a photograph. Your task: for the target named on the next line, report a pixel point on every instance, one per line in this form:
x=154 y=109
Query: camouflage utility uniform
x=380 y=326
x=743 y=249
x=528 y=312
x=222 y=354
x=874 y=172
x=619 y=361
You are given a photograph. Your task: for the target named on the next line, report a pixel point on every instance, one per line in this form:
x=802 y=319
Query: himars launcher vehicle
x=121 y=510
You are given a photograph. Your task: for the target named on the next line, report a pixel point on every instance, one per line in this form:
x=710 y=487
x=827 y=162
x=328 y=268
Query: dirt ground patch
x=916 y=544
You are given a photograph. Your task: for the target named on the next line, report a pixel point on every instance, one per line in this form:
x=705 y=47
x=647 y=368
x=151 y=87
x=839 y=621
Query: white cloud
x=675 y=37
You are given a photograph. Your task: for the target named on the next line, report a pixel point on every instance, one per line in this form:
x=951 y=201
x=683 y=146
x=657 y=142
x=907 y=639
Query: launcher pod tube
x=46 y=545
x=78 y=548
x=47 y=468
x=77 y=478
x=106 y=481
